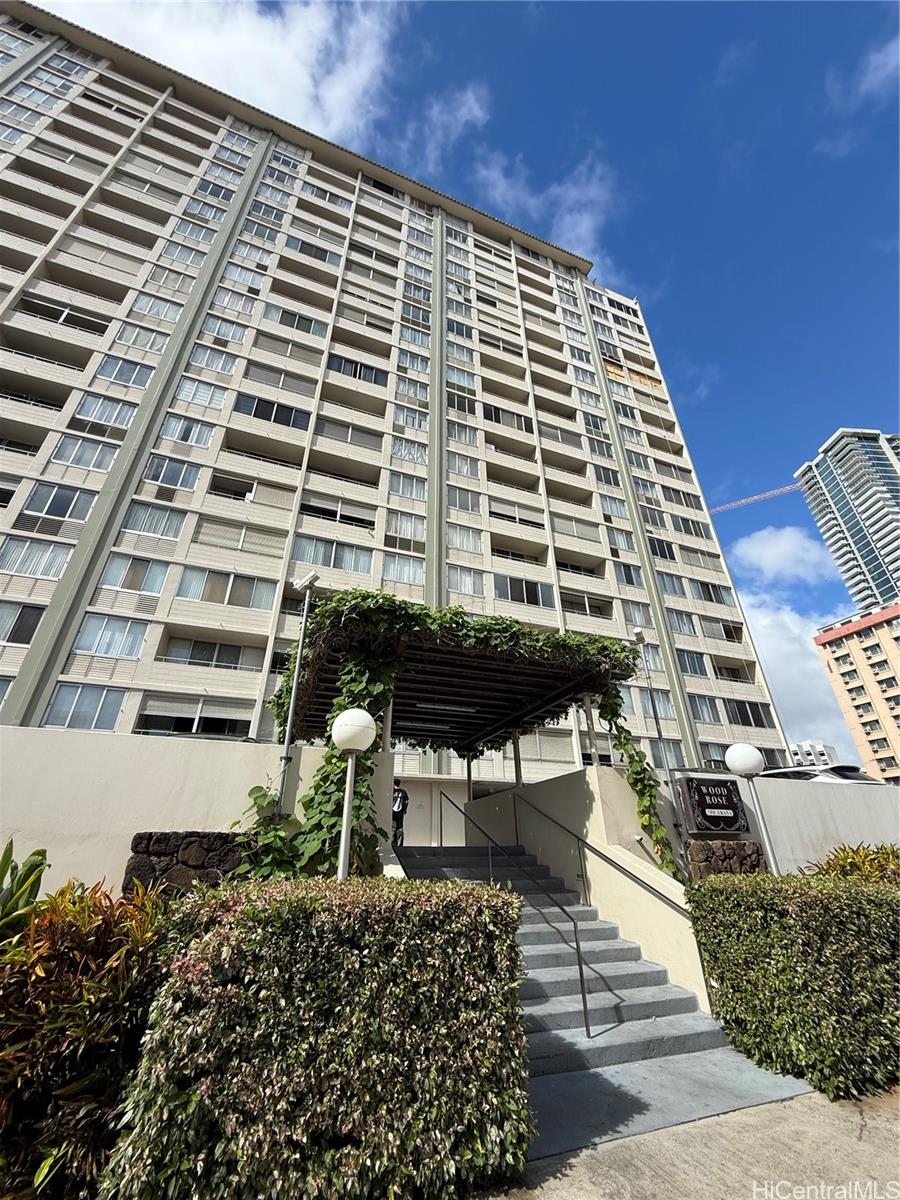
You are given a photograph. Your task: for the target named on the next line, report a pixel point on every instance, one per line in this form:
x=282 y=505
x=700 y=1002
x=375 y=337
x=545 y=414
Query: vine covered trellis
x=367 y=648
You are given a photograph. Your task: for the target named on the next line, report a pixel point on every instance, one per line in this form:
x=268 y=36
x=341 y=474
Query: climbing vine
x=367 y=631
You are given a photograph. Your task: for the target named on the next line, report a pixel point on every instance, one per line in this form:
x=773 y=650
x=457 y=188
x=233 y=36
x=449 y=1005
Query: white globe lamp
x=353 y=731
x=744 y=760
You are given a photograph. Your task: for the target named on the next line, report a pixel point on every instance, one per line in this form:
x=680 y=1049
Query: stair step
x=540 y=900
x=541 y=958
x=636 y=1004
x=476 y=874
x=429 y=862
x=552 y=916
x=407 y=851
x=569 y=1050
x=564 y=935
x=544 y=983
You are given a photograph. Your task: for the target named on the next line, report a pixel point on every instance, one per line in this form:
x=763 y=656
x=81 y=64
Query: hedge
x=803 y=971
x=336 y=1040
x=75 y=990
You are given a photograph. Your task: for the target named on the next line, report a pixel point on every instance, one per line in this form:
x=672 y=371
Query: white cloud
x=447 y=118
x=872 y=82
x=325 y=67
x=571 y=212
x=733 y=62
x=796 y=677
x=782 y=555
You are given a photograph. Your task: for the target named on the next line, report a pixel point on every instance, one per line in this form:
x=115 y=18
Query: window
x=332 y=508
x=691 y=662
x=311 y=250
x=357 y=370
x=500 y=416
x=140 y=338
x=662 y=549
x=323 y=553
x=749 y=713
x=218 y=190
x=663 y=700
x=465 y=580
x=156 y=306
x=268 y=212
x=166 y=277
x=203 y=208
x=153 y=519
x=123 y=371
x=293 y=320
x=628 y=574
x=219 y=587
x=38 y=559
x=462 y=464
x=461 y=537
x=712 y=593
x=257 y=254
x=668 y=754
x=620 y=539
x=413 y=362
x=18 y=622
x=637 y=614
x=212 y=359
x=81 y=452
x=194 y=230
x=224 y=655
x=687 y=525
x=186 y=429
x=400 y=568
x=653 y=517
x=704 y=708
x=523 y=591
x=416 y=337
x=671 y=585
x=198 y=391
x=458 y=351
x=410 y=486
x=405 y=531
x=681 y=622
x=219 y=327
x=59 y=501
x=581 y=605
x=110 y=637
x=410 y=418
x=238 y=139
x=463 y=499
x=269 y=410
x=171 y=472
x=129 y=574
x=461 y=379
x=612 y=506
x=457 y=432
x=408 y=450
x=84 y=706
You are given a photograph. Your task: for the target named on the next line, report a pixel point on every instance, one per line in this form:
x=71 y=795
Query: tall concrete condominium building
x=813 y=754
x=862 y=658
x=852 y=487
x=231 y=350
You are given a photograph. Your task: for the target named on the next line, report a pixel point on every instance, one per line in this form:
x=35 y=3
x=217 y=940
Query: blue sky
x=734 y=165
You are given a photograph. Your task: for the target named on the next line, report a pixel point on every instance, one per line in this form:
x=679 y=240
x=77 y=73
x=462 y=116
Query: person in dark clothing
x=399 y=805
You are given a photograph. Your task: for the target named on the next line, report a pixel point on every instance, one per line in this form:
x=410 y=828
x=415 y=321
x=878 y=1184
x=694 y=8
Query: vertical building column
x=666 y=643
x=436 y=495
x=32 y=688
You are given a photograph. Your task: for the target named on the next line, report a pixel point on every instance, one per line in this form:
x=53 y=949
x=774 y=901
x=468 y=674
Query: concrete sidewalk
x=799 y=1142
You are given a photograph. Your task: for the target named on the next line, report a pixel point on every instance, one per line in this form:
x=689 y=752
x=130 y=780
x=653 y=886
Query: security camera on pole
x=353 y=732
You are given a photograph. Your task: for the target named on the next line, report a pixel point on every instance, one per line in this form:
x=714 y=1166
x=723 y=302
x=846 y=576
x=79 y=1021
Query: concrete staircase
x=635 y=1013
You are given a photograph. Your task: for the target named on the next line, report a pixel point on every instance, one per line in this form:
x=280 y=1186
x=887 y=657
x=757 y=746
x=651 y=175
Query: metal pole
x=763 y=827
x=386 y=721
x=347 y=822
x=292 y=709
x=589 y=721
x=469 y=797
x=655 y=711
x=517 y=760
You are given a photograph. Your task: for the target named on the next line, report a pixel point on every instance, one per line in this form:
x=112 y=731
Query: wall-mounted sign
x=712 y=805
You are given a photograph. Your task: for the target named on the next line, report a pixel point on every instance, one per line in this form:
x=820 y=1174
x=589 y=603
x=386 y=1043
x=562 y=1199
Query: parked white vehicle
x=835 y=773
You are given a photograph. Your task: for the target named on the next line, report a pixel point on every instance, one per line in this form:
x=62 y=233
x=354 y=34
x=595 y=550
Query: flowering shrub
x=336 y=1040
x=75 y=989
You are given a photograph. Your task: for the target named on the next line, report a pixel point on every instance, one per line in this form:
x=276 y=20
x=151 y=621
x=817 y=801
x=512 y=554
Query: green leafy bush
x=880 y=862
x=19 y=887
x=75 y=990
x=338 y=1040
x=804 y=971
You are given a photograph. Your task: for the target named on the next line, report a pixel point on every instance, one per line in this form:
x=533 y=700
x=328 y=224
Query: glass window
x=134 y=574
x=524 y=591
x=57 y=500
x=84 y=706
x=82 y=452
x=704 y=708
x=401 y=568
x=171 y=472
x=461 y=537
x=121 y=370
x=18 y=622
x=410 y=486
x=628 y=574
x=153 y=519
x=465 y=580
x=110 y=637
x=691 y=662
x=681 y=622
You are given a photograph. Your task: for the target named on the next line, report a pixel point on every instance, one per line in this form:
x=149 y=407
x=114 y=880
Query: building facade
x=853 y=489
x=230 y=350
x=813 y=754
x=862 y=657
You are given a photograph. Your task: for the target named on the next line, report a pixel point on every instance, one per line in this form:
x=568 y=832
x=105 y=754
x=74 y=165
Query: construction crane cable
x=790 y=487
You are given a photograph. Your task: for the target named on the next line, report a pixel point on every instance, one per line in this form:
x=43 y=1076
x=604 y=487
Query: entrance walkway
x=804 y=1142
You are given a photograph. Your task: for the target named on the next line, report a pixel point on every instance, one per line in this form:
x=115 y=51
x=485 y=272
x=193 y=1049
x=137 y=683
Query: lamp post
x=746 y=761
x=353 y=732
x=304 y=585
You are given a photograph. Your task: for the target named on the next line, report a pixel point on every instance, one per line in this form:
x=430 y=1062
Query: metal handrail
x=491 y=841
x=584 y=844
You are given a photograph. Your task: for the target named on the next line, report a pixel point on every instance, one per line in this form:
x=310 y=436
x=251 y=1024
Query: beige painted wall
x=83 y=796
